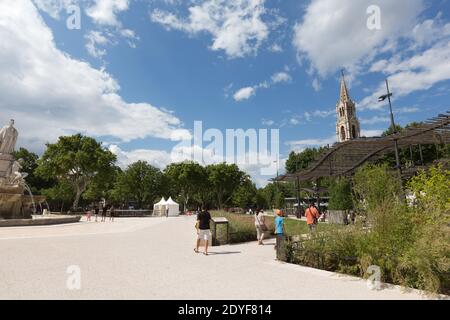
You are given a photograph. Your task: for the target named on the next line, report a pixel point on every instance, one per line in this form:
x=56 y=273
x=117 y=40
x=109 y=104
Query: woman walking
x=260 y=225
x=112 y=212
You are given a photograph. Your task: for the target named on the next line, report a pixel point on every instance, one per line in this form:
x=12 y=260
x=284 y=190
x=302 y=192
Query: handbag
x=261 y=225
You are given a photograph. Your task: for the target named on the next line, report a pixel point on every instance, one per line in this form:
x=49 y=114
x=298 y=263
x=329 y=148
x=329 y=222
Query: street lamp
x=394 y=128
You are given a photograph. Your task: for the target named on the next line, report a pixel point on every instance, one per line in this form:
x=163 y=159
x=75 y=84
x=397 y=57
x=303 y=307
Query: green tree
x=189 y=181
x=224 y=179
x=140 y=182
x=61 y=193
x=340 y=195
x=29 y=162
x=102 y=185
x=245 y=195
x=75 y=160
x=272 y=195
x=301 y=161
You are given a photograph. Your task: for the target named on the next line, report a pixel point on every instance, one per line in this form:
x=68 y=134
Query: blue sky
x=138 y=71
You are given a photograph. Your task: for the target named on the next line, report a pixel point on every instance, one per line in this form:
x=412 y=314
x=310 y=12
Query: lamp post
x=394 y=128
x=298 y=188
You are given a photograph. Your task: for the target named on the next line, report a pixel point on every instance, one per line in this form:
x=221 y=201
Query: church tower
x=347 y=126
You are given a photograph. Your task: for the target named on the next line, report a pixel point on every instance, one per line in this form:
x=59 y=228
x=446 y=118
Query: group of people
x=96 y=210
x=204 y=219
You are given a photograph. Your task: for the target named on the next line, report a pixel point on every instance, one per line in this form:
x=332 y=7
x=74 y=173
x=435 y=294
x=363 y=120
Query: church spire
x=344 y=91
x=347 y=125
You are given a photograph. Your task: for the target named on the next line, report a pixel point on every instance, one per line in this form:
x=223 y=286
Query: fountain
x=14 y=204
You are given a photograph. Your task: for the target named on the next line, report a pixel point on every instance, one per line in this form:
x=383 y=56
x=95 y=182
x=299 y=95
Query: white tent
x=159 y=209
x=174 y=208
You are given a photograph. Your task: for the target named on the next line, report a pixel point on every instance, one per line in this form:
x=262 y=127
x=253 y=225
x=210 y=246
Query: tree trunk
x=77 y=199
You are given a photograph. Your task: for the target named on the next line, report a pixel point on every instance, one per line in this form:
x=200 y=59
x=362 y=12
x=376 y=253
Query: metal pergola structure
x=344 y=158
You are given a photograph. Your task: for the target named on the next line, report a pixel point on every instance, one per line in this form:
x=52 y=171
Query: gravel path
x=153 y=258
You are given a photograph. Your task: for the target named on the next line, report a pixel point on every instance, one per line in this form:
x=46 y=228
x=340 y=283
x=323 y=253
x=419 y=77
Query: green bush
x=340 y=195
x=411 y=245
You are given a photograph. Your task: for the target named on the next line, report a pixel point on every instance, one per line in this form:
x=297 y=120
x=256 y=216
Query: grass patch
x=242 y=226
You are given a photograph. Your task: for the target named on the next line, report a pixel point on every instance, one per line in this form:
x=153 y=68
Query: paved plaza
x=153 y=258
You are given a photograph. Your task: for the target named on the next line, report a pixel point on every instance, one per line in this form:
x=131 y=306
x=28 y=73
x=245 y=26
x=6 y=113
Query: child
x=88 y=214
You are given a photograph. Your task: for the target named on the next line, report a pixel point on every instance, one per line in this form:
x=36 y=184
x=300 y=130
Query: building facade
x=347 y=125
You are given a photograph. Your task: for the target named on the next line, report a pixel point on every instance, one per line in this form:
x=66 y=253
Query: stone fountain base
x=13 y=203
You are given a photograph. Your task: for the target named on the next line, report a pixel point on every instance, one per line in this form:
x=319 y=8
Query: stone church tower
x=347 y=126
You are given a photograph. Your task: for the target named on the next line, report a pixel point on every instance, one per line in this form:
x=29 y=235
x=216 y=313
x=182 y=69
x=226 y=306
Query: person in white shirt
x=260 y=225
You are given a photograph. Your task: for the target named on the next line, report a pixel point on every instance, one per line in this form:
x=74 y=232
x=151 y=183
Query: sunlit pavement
x=153 y=258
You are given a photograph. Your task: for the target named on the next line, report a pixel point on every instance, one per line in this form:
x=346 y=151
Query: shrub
x=340 y=195
x=411 y=245
x=375 y=184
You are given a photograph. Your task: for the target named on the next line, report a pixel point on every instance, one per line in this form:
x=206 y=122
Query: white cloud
x=104 y=12
x=276 y=48
x=247 y=92
x=51 y=94
x=300 y=145
x=316 y=85
x=418 y=72
x=54 y=7
x=294 y=121
x=429 y=31
x=334 y=34
x=236 y=26
x=157 y=158
x=244 y=93
x=371 y=133
x=374 y=120
x=93 y=40
x=281 y=77
x=266 y=122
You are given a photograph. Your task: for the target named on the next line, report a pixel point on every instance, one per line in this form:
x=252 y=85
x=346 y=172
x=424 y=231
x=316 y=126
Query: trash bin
x=217 y=221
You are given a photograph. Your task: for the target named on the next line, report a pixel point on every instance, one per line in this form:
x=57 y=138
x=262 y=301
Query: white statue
x=15 y=176
x=8 y=138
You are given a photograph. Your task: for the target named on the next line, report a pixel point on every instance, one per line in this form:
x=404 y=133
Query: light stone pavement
x=153 y=258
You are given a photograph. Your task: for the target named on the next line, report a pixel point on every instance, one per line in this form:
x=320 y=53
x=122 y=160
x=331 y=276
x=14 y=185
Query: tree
x=189 y=180
x=62 y=193
x=340 y=195
x=140 y=182
x=273 y=196
x=75 y=160
x=224 y=179
x=245 y=195
x=300 y=161
x=102 y=186
x=430 y=152
x=29 y=162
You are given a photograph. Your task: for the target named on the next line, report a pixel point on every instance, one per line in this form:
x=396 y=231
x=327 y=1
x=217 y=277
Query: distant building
x=347 y=125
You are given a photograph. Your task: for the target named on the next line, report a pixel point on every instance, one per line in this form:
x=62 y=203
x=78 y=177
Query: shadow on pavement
x=224 y=252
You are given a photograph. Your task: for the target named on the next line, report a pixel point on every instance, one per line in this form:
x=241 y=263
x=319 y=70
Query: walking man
x=96 y=211
x=312 y=216
x=111 y=213
x=203 y=229
x=104 y=210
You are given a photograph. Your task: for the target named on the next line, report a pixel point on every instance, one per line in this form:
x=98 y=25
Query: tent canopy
x=169 y=207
